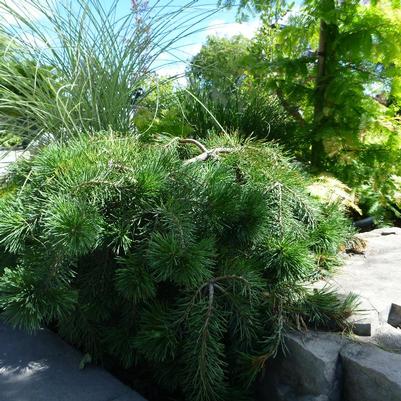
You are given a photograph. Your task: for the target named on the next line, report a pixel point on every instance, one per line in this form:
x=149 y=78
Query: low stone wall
x=320 y=366
x=7 y=157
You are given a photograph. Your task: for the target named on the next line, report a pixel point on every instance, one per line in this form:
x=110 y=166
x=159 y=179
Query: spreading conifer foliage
x=183 y=259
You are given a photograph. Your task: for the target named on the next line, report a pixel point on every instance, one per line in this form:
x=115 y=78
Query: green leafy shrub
x=222 y=81
x=222 y=95
x=187 y=266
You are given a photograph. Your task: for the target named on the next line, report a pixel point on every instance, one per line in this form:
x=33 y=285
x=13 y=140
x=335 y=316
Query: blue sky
x=221 y=23
x=214 y=22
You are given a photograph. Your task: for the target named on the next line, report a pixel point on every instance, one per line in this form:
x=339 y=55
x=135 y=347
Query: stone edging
x=319 y=366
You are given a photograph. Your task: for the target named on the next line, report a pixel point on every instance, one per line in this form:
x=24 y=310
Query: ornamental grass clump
x=68 y=67
x=187 y=261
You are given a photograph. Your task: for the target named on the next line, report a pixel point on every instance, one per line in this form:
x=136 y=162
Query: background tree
x=221 y=78
x=327 y=63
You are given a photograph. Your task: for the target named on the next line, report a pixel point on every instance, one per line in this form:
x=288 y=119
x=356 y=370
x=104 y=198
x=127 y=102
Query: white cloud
x=222 y=29
x=182 y=53
x=191 y=50
x=174 y=62
x=293 y=12
x=173 y=70
x=33 y=41
x=21 y=7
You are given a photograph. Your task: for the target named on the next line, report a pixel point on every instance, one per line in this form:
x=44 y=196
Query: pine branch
x=206 y=154
x=289 y=108
x=210 y=283
x=196 y=143
x=120 y=167
x=97 y=182
x=209 y=310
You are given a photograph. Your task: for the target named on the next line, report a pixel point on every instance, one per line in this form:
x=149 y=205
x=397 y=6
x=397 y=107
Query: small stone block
x=388 y=338
x=394 y=317
x=363 y=329
x=364 y=324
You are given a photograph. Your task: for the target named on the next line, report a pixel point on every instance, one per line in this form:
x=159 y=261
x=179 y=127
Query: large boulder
x=320 y=366
x=370 y=373
x=308 y=370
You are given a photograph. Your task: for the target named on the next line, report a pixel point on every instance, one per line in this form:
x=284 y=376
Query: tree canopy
x=335 y=65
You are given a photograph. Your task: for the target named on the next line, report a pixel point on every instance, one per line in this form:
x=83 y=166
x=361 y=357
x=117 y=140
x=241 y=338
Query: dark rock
x=127 y=397
x=370 y=374
x=361 y=326
x=394 y=317
x=286 y=393
x=309 y=368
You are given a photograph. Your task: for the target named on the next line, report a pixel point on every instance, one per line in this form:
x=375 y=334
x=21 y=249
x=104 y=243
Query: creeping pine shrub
x=185 y=264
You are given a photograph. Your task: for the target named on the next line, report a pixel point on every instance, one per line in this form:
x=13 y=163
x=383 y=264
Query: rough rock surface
x=41 y=367
x=325 y=366
x=316 y=353
x=309 y=369
x=370 y=374
x=287 y=393
x=388 y=338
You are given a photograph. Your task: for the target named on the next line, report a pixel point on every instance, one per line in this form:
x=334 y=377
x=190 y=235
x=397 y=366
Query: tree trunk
x=325 y=74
